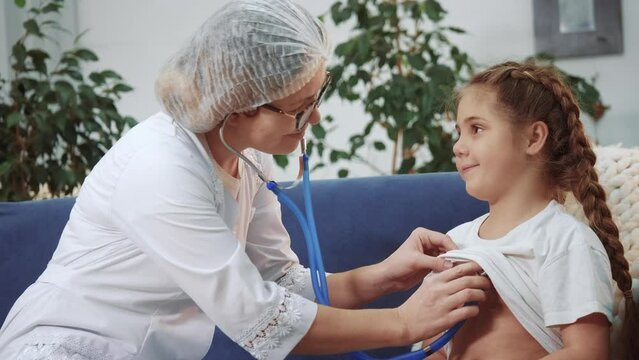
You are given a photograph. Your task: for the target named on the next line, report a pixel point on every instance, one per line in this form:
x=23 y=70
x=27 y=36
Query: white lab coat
x=157 y=252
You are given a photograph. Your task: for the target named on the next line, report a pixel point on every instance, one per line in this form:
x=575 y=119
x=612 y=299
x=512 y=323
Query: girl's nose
x=459 y=149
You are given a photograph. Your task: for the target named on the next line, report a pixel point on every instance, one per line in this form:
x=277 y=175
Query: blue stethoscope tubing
x=316 y=263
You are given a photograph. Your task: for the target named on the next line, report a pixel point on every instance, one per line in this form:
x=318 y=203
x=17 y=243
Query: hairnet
x=249 y=53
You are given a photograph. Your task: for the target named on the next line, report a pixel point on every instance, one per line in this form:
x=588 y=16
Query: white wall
x=4 y=55
x=135 y=37
x=10 y=30
x=502 y=29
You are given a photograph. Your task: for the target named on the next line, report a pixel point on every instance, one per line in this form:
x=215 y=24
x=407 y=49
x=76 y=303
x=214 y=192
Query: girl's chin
x=476 y=193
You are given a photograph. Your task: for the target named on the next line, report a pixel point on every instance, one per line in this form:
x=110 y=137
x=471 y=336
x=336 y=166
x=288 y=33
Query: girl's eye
x=476 y=129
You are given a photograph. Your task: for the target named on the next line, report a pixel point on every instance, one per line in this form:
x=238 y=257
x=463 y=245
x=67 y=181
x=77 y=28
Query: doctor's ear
x=235 y=118
x=536 y=136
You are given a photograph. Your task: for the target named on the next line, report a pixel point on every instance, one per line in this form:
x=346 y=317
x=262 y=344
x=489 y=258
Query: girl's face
x=488 y=155
x=275 y=133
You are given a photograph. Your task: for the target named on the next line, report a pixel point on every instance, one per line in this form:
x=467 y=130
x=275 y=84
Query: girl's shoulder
x=563 y=232
x=467 y=230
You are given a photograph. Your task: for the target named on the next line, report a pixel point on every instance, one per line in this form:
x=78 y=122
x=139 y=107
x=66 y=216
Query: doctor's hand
x=402 y=270
x=414 y=259
x=438 y=303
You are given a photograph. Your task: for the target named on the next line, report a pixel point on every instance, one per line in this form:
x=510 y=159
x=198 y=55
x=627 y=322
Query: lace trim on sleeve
x=63 y=347
x=296 y=280
x=275 y=324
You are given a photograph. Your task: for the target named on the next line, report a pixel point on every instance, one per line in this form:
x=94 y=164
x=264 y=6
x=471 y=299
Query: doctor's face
x=274 y=128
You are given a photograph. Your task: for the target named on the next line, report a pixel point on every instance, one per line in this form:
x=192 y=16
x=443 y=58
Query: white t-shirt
x=157 y=253
x=563 y=257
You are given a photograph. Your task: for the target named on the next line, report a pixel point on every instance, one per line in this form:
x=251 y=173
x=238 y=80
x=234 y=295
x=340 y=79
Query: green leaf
x=75 y=75
x=379 y=145
x=39 y=57
x=51 y=7
x=318 y=131
x=336 y=155
x=19 y=52
x=407 y=165
x=342 y=173
x=42 y=88
x=65 y=91
x=5 y=166
x=110 y=74
x=339 y=14
x=70 y=61
x=85 y=54
x=97 y=78
x=309 y=147
x=441 y=74
x=456 y=30
x=59 y=120
x=128 y=120
x=122 y=88
x=434 y=11
x=31 y=26
x=70 y=177
x=20 y=3
x=281 y=160
x=333 y=156
x=40 y=174
x=416 y=61
x=14 y=119
x=357 y=141
x=434 y=138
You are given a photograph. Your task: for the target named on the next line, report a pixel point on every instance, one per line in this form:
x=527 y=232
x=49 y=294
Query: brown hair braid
x=527 y=93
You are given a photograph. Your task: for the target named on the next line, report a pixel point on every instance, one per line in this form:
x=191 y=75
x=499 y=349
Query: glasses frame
x=301 y=118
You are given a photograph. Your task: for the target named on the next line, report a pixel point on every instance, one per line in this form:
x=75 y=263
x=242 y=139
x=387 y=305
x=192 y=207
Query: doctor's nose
x=315 y=117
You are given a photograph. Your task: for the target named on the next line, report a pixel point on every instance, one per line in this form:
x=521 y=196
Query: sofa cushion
x=29 y=233
x=360 y=221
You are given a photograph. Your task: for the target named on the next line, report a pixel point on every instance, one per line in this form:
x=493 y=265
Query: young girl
x=521 y=146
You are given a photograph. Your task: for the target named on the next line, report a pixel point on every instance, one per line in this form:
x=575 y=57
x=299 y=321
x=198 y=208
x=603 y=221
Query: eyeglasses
x=301 y=118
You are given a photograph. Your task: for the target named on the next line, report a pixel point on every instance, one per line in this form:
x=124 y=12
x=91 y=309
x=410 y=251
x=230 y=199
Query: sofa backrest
x=360 y=221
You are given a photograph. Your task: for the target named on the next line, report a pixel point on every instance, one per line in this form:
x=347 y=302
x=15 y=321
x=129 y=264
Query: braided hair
x=528 y=92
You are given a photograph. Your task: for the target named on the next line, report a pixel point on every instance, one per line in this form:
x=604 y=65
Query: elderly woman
x=173 y=235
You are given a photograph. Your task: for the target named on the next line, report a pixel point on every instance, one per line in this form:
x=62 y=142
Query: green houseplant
x=402 y=67
x=55 y=122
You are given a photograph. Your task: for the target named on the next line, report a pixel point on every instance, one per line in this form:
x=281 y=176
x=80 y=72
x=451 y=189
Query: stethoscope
x=316 y=264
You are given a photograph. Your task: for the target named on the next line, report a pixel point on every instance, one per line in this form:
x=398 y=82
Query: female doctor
x=172 y=234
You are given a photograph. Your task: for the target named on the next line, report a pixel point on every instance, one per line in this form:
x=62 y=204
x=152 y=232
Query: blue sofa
x=360 y=221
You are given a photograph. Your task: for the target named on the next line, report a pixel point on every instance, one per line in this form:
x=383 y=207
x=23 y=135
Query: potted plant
x=402 y=67
x=55 y=122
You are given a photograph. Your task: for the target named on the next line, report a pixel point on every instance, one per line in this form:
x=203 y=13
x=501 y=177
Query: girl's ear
x=536 y=137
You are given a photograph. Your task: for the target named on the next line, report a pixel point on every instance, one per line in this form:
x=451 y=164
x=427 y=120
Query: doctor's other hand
x=438 y=303
x=414 y=259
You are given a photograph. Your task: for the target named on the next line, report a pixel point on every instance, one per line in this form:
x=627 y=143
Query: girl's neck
x=225 y=159
x=514 y=208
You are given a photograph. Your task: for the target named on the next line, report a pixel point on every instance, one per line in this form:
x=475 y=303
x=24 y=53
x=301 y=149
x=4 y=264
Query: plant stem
x=400 y=133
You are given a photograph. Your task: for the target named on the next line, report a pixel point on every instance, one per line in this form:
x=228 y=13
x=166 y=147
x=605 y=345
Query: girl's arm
x=587 y=338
